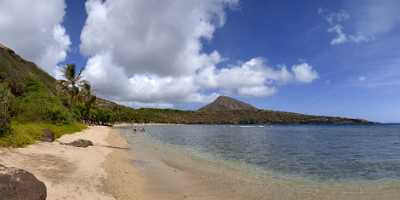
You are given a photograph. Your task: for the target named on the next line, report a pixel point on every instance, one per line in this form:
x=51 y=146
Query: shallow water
x=317 y=152
x=281 y=162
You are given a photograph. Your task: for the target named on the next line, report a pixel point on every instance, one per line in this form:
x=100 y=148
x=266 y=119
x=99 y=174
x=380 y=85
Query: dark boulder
x=47 y=136
x=18 y=184
x=80 y=143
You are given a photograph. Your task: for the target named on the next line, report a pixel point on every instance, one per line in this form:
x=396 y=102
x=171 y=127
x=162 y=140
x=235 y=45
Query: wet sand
x=170 y=173
x=123 y=180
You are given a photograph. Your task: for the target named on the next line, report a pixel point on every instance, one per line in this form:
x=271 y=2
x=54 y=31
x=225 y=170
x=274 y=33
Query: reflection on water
x=317 y=152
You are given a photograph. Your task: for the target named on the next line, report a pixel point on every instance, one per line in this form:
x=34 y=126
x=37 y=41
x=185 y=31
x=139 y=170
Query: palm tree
x=70 y=86
x=79 y=91
x=87 y=98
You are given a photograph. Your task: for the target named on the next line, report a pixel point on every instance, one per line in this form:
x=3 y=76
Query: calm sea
x=311 y=151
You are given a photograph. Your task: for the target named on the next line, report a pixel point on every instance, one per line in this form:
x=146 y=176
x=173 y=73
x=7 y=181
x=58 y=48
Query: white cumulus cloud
x=34 y=30
x=150 y=52
x=255 y=77
x=304 y=73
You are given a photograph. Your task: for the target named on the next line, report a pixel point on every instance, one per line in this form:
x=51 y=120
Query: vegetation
x=29 y=103
x=71 y=85
x=79 y=93
x=5 y=125
x=38 y=105
x=223 y=110
x=27 y=133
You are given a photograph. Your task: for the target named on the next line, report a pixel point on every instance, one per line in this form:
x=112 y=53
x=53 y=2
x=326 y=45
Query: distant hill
x=227 y=110
x=36 y=99
x=225 y=103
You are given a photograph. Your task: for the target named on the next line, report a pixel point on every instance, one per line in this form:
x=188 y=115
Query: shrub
x=5 y=125
x=16 y=88
x=102 y=117
x=38 y=104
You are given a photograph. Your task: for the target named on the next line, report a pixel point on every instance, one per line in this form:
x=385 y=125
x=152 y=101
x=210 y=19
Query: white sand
x=68 y=172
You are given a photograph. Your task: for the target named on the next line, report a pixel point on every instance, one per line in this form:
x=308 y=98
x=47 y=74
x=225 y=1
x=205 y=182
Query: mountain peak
x=225 y=103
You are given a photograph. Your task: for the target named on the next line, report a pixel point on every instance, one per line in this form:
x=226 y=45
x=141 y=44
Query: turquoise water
x=310 y=151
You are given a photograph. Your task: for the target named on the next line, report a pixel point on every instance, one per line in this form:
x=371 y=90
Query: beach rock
x=80 y=143
x=47 y=136
x=18 y=184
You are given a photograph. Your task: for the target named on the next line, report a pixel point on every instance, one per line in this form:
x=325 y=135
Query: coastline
x=169 y=173
x=126 y=166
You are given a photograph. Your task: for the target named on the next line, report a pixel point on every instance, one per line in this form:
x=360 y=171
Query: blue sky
x=337 y=58
x=284 y=31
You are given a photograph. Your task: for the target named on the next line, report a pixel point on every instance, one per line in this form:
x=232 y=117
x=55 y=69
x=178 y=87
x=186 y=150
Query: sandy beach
x=109 y=170
x=68 y=172
x=123 y=179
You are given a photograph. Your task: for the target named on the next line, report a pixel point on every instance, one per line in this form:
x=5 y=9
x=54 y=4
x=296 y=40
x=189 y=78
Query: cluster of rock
x=48 y=136
x=18 y=184
x=79 y=143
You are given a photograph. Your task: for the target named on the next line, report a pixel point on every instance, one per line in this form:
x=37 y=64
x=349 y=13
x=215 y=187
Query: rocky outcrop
x=224 y=103
x=80 y=143
x=18 y=184
x=47 y=136
x=3 y=47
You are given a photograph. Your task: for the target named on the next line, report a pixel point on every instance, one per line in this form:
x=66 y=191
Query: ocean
x=339 y=160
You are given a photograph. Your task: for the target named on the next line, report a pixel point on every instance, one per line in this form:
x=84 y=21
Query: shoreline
x=172 y=174
x=123 y=179
x=125 y=166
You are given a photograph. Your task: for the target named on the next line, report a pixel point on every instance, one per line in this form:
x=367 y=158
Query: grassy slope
x=35 y=96
x=27 y=133
x=35 y=105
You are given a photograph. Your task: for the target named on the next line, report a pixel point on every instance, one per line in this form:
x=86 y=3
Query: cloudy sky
x=315 y=56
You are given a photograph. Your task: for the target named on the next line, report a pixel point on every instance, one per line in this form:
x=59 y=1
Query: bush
x=16 y=88
x=38 y=104
x=5 y=125
x=102 y=117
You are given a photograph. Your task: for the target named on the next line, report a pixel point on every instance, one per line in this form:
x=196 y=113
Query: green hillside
x=33 y=91
x=32 y=103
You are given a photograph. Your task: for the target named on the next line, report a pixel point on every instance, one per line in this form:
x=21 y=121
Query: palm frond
x=70 y=72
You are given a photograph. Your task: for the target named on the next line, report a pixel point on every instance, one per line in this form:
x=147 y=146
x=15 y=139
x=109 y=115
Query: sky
x=323 y=57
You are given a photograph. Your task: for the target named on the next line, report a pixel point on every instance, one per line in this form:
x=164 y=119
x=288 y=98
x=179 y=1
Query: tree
x=70 y=86
x=79 y=92
x=5 y=124
x=87 y=99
